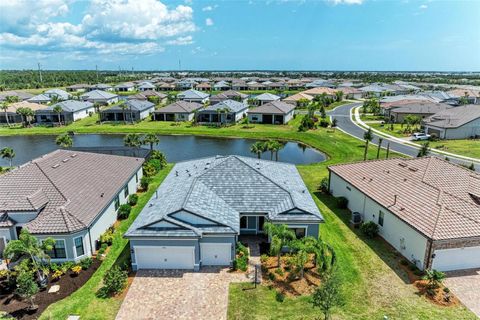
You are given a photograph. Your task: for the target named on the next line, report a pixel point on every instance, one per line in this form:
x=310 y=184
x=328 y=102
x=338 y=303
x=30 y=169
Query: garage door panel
x=216 y=254
x=456 y=259
x=165 y=257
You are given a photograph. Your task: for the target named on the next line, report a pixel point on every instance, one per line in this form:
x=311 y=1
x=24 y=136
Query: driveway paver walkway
x=465 y=284
x=177 y=294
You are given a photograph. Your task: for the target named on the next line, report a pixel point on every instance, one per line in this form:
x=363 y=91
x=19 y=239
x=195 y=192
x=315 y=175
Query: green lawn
x=373 y=283
x=83 y=302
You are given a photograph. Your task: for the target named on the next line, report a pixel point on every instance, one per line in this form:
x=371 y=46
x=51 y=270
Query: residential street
x=345 y=123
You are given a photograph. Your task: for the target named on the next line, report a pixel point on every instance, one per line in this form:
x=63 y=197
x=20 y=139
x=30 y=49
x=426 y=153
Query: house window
x=348 y=188
x=136 y=177
x=117 y=203
x=381 y=215
x=125 y=192
x=299 y=232
x=79 y=246
x=58 y=250
x=244 y=223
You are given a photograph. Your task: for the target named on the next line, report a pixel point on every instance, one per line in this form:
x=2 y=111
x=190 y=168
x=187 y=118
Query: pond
x=176 y=148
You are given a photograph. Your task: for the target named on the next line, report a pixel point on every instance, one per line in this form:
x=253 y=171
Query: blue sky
x=237 y=35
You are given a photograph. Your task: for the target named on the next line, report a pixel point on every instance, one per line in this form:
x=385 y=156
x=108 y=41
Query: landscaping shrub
x=4 y=274
x=324 y=123
x=279 y=271
x=263 y=258
x=241 y=249
x=86 y=263
x=144 y=182
x=124 y=211
x=280 y=297
x=404 y=262
x=107 y=237
x=342 y=203
x=149 y=170
x=158 y=155
x=157 y=164
x=324 y=185
x=66 y=266
x=102 y=249
x=133 y=199
x=114 y=281
x=369 y=229
x=76 y=269
x=240 y=263
x=57 y=274
x=271 y=276
x=306 y=123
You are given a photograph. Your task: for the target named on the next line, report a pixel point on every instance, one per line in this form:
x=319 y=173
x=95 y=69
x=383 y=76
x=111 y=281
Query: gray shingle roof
x=70 y=106
x=420 y=107
x=134 y=104
x=98 y=94
x=454 y=117
x=72 y=188
x=274 y=107
x=39 y=98
x=180 y=107
x=267 y=97
x=232 y=105
x=220 y=188
x=192 y=94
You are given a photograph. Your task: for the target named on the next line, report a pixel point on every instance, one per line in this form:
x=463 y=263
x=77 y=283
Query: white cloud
x=210 y=8
x=209 y=22
x=423 y=6
x=181 y=41
x=335 y=2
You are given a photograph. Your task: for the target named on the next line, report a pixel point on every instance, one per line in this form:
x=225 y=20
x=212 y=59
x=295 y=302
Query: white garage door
x=215 y=254
x=456 y=259
x=165 y=257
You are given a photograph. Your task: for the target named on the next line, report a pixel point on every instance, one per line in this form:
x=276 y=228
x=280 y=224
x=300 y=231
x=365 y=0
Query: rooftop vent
x=402 y=164
x=56 y=166
x=413 y=169
x=65 y=160
x=102 y=194
x=73 y=155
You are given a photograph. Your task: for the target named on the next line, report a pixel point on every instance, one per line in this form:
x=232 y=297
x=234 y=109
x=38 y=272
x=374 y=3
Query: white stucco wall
x=406 y=240
x=146 y=113
x=466 y=131
x=82 y=113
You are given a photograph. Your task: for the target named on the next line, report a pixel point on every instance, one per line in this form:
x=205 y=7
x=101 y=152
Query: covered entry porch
x=252 y=224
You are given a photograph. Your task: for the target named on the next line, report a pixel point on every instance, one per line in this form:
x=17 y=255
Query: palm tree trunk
x=276 y=155
x=366 y=150
x=258 y=155
x=6 y=117
x=10 y=162
x=271 y=155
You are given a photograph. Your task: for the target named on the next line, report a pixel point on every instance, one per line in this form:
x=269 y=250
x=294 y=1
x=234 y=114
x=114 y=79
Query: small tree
x=367 y=136
x=380 y=140
x=27 y=288
x=257 y=148
x=434 y=278
x=424 y=150
x=4 y=106
x=280 y=235
x=151 y=139
x=64 y=141
x=328 y=295
x=26 y=114
x=8 y=153
x=58 y=110
x=114 y=281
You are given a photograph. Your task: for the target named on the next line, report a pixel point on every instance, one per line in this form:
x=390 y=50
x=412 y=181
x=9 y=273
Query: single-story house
x=320 y=83
x=426 y=208
x=22 y=95
x=149 y=94
x=135 y=110
x=58 y=93
x=221 y=86
x=196 y=215
x=40 y=98
x=144 y=86
x=275 y=112
x=318 y=91
x=193 y=95
x=164 y=86
x=265 y=98
x=297 y=98
x=81 y=87
x=255 y=86
x=101 y=86
x=441 y=96
x=455 y=123
x=227 y=111
x=421 y=109
x=71 y=196
x=204 y=86
x=350 y=92
x=177 y=111
x=13 y=116
x=73 y=110
x=471 y=96
x=184 y=84
x=228 y=95
x=239 y=85
x=125 y=87
x=99 y=96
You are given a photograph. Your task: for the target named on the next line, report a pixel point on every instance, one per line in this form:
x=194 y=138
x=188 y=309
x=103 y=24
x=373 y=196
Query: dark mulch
x=68 y=284
x=264 y=248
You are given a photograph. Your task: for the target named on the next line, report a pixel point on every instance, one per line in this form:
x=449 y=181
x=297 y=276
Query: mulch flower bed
x=288 y=283
x=68 y=283
x=440 y=297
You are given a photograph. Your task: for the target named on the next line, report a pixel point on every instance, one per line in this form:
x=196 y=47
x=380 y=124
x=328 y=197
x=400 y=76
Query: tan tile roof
x=320 y=90
x=435 y=197
x=24 y=104
x=72 y=188
x=274 y=107
x=298 y=96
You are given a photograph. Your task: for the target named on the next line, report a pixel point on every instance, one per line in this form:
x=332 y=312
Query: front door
x=261 y=221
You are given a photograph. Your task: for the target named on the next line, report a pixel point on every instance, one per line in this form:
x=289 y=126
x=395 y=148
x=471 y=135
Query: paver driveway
x=176 y=294
x=465 y=284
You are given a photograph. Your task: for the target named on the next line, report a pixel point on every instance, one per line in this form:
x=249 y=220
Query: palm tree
x=152 y=139
x=124 y=107
x=268 y=146
x=258 y=148
x=7 y=153
x=29 y=246
x=64 y=141
x=380 y=140
x=58 y=110
x=368 y=137
x=280 y=236
x=276 y=146
x=4 y=106
x=339 y=95
x=424 y=150
x=133 y=140
x=97 y=106
x=26 y=113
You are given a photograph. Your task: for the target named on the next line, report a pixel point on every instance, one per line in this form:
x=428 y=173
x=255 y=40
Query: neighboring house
x=455 y=123
x=145 y=95
x=82 y=87
x=135 y=110
x=101 y=86
x=60 y=94
x=41 y=98
x=221 y=86
x=239 y=85
x=13 y=116
x=204 y=86
x=185 y=84
x=426 y=208
x=265 y=98
x=441 y=96
x=421 y=109
x=227 y=111
x=70 y=196
x=471 y=96
x=376 y=90
x=294 y=99
x=146 y=86
x=177 y=111
x=99 y=96
x=228 y=95
x=295 y=84
x=318 y=91
x=73 y=110
x=275 y=112
x=256 y=86
x=125 y=87
x=320 y=83
x=196 y=215
x=165 y=86
x=350 y=92
x=22 y=95
x=193 y=95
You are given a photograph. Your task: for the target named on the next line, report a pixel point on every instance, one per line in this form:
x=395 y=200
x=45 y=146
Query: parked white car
x=420 y=136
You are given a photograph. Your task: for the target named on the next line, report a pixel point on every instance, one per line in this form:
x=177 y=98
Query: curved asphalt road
x=345 y=123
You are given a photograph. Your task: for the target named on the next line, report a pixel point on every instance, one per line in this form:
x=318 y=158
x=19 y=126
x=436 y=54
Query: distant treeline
x=30 y=79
